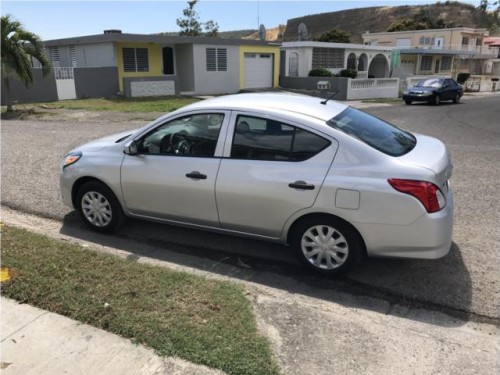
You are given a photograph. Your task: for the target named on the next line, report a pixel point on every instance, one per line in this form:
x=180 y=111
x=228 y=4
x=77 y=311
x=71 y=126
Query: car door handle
x=197 y=175
x=301 y=185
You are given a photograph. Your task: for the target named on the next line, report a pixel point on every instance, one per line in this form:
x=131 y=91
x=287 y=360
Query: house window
x=54 y=57
x=216 y=59
x=72 y=56
x=328 y=58
x=479 y=42
x=446 y=63
x=426 y=64
x=465 y=42
x=135 y=59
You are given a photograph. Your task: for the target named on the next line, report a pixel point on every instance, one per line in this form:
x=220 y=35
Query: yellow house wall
x=155 y=61
x=275 y=51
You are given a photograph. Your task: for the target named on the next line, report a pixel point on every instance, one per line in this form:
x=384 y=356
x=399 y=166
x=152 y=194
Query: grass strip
x=204 y=321
x=150 y=104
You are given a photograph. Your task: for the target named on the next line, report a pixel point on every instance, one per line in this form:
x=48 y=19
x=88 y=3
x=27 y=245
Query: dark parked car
x=433 y=91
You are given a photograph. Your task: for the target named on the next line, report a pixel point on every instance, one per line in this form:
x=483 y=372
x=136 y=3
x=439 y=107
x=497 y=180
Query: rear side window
x=264 y=139
x=374 y=132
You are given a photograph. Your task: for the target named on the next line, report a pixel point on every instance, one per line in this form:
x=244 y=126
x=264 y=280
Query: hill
x=378 y=19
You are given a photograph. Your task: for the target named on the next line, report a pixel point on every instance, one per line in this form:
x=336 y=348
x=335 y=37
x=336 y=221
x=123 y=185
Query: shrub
x=320 y=72
x=349 y=73
x=462 y=77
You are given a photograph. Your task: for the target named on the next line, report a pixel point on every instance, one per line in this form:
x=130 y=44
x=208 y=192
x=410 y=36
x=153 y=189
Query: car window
x=192 y=136
x=374 y=132
x=263 y=139
x=432 y=82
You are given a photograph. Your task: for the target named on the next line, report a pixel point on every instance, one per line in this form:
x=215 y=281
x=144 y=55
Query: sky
x=63 y=19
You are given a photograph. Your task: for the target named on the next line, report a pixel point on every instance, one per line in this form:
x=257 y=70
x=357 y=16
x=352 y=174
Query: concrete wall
x=42 y=90
x=96 y=82
x=184 y=65
x=150 y=86
x=216 y=82
x=311 y=83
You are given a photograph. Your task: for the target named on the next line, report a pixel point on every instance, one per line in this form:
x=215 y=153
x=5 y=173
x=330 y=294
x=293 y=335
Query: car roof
x=288 y=102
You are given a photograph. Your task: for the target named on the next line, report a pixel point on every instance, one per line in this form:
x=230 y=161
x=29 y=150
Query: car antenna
x=330 y=97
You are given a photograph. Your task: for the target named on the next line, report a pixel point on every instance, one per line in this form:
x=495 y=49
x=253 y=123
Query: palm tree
x=18 y=47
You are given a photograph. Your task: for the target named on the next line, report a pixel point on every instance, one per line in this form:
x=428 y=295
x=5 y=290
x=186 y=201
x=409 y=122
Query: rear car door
x=270 y=170
x=173 y=176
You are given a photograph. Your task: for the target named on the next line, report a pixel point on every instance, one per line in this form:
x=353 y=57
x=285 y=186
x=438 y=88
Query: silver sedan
x=333 y=182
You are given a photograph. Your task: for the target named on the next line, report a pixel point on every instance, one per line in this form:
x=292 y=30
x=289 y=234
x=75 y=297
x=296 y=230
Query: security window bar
x=426 y=64
x=446 y=63
x=72 y=56
x=54 y=57
x=216 y=59
x=135 y=60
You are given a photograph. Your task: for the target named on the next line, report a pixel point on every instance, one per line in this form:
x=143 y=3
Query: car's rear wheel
x=327 y=245
x=99 y=207
x=456 y=99
x=408 y=102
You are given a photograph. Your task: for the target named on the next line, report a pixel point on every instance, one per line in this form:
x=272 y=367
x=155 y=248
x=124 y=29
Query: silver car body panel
x=252 y=197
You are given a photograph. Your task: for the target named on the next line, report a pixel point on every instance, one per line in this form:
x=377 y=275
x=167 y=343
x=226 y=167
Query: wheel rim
x=437 y=100
x=324 y=247
x=457 y=98
x=96 y=209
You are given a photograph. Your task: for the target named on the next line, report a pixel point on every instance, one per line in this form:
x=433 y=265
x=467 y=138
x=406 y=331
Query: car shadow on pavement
x=437 y=292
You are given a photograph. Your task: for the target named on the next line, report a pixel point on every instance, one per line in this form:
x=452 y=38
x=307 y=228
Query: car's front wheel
x=436 y=100
x=456 y=99
x=327 y=245
x=99 y=207
x=408 y=102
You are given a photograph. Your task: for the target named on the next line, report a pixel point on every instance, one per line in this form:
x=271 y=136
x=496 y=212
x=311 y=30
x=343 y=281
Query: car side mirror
x=131 y=148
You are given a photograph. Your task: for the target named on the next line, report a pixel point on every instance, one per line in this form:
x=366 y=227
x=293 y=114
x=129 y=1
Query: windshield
x=433 y=82
x=373 y=131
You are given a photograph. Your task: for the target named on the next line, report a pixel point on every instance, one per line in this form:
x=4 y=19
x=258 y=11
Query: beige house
x=437 y=51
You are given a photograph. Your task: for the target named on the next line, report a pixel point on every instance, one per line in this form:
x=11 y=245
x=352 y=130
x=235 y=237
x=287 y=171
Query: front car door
x=271 y=170
x=173 y=176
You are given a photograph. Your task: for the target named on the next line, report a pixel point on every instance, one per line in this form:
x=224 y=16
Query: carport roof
x=151 y=38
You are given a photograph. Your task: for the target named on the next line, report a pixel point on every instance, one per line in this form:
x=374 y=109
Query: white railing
x=64 y=73
x=372 y=88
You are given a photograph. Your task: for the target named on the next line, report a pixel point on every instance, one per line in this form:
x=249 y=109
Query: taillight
x=426 y=192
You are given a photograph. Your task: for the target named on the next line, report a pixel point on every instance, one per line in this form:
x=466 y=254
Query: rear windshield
x=374 y=132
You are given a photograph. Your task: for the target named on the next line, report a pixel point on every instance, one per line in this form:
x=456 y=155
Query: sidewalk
x=35 y=341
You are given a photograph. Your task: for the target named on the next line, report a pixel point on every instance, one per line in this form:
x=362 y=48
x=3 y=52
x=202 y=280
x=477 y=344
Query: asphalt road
x=465 y=283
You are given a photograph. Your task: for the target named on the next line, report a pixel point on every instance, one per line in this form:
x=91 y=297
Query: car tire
x=326 y=244
x=456 y=99
x=436 y=100
x=408 y=102
x=99 y=207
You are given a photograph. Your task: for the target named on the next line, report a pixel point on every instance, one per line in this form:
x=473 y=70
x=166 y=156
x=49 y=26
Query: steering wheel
x=179 y=144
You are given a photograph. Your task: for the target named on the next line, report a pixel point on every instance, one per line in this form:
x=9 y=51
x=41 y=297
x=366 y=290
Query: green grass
x=156 y=104
x=178 y=314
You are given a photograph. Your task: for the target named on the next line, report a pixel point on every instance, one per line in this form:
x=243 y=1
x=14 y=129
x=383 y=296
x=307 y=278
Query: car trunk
x=432 y=154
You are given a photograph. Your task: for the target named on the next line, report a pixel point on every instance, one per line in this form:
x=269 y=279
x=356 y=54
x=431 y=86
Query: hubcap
x=96 y=209
x=324 y=247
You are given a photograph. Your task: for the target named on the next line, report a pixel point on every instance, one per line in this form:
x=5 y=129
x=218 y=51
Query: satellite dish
x=262 y=32
x=303 y=35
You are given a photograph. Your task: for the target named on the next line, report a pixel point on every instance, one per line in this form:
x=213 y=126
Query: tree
x=19 y=46
x=191 y=26
x=334 y=36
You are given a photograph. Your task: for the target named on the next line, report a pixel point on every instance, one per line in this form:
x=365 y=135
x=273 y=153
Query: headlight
x=71 y=158
x=405 y=93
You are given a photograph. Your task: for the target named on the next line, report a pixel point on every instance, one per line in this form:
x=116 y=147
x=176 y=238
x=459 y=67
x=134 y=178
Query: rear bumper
x=429 y=237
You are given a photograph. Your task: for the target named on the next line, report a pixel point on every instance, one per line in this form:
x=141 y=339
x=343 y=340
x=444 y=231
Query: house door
x=293 y=65
x=437 y=66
